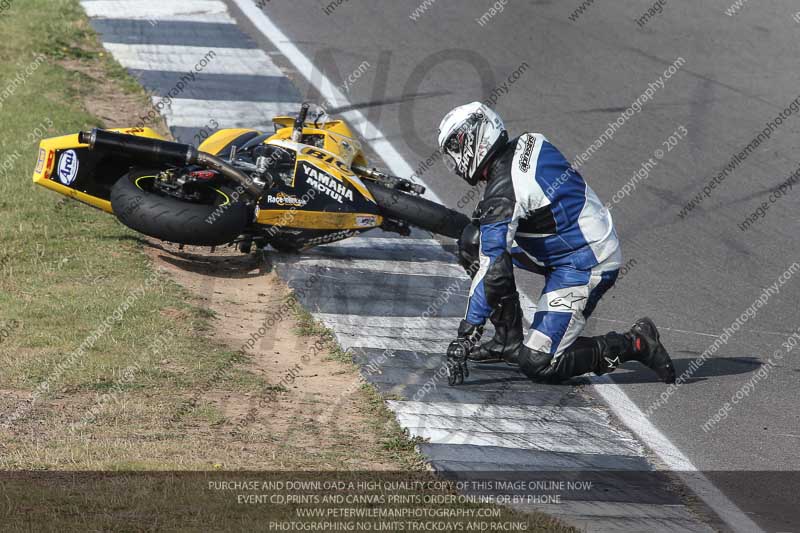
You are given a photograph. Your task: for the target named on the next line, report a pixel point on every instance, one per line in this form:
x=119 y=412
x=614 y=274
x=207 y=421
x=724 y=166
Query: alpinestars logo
x=566 y=301
x=525 y=158
x=613 y=363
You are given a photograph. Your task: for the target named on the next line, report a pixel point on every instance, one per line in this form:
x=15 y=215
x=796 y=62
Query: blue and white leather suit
x=544 y=214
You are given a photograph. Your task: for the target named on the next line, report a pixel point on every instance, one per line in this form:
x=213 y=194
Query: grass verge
x=94 y=321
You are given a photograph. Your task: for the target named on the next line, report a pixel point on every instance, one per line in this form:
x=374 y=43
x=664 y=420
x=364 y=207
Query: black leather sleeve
x=494 y=209
x=499 y=199
x=469 y=249
x=499 y=280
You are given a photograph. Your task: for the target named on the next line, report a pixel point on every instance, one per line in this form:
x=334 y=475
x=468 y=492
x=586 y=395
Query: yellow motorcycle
x=306 y=184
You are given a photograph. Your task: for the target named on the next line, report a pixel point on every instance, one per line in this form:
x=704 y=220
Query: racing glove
x=456 y=358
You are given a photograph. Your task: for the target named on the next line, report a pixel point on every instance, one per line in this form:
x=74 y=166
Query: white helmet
x=469 y=135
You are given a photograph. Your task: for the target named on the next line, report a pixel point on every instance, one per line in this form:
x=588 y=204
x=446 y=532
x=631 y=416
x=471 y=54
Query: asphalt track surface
x=694 y=275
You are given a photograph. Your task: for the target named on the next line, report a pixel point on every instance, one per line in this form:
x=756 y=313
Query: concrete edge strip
x=155 y=10
x=193 y=59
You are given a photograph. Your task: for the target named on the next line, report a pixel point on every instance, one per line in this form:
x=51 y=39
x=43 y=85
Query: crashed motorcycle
x=305 y=184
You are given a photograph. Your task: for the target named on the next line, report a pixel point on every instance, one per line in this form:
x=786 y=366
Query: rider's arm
x=497 y=234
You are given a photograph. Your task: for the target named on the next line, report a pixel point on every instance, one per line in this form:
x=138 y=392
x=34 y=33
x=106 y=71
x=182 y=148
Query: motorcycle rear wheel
x=215 y=220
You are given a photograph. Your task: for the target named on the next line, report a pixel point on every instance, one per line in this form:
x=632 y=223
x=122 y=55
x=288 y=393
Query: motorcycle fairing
x=219 y=143
x=322 y=196
x=69 y=168
x=322 y=162
x=325 y=194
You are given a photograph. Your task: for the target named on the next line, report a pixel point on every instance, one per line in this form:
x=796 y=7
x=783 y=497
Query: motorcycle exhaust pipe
x=211 y=162
x=165 y=152
x=152 y=149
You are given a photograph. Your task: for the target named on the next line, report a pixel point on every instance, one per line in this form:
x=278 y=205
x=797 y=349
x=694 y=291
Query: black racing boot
x=648 y=350
x=504 y=346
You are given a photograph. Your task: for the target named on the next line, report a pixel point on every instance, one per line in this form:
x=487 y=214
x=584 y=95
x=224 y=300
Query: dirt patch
x=287 y=422
x=116 y=107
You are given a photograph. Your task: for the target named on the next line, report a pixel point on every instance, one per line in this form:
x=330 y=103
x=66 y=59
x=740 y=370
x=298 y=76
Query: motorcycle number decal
x=68 y=167
x=322 y=156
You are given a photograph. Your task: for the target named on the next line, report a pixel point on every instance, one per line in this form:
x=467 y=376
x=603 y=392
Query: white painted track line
x=157 y=10
x=673 y=458
x=548 y=436
x=383 y=331
x=387 y=326
x=618 y=400
x=548 y=439
x=422 y=346
x=393 y=243
x=189 y=113
x=407 y=268
x=395 y=333
x=465 y=410
x=185 y=59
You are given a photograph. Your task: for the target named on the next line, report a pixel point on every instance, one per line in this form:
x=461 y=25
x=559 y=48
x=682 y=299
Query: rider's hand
x=456 y=359
x=456 y=362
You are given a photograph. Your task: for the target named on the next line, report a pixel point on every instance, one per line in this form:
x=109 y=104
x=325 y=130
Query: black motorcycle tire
x=418 y=211
x=170 y=219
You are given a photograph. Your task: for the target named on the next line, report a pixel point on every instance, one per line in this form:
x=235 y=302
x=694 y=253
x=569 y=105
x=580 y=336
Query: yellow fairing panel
x=336 y=126
x=46 y=162
x=338 y=138
x=139 y=132
x=335 y=168
x=221 y=139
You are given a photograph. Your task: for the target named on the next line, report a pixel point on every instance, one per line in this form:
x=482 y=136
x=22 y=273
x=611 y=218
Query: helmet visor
x=453 y=144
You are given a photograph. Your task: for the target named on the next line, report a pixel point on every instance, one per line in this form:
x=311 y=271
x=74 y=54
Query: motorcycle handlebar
x=297 y=132
x=165 y=152
x=393 y=182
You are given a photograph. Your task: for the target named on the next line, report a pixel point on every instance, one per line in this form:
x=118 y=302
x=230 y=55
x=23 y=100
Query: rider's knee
x=535 y=364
